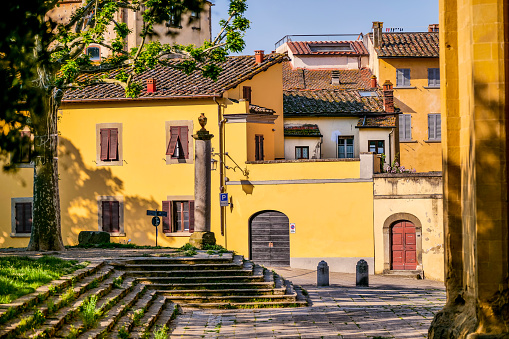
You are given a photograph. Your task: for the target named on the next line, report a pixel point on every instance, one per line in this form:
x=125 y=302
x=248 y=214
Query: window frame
x=174 y=19
x=103 y=126
x=437 y=127
x=406 y=138
x=189 y=159
x=259 y=147
x=169 y=227
x=14 y=201
x=401 y=80
x=301 y=148
x=247 y=92
x=345 y=137
x=98 y=59
x=19 y=162
x=434 y=77
x=376 y=146
x=120 y=200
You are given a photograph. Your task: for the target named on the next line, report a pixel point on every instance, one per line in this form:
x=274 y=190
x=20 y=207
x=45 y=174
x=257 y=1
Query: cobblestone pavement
x=392 y=307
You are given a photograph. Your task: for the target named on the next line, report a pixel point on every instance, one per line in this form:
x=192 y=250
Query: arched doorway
x=403 y=246
x=270 y=238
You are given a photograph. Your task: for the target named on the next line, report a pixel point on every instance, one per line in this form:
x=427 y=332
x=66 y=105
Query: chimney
x=335 y=78
x=433 y=28
x=259 y=56
x=388 y=97
x=377 y=33
x=151 y=85
x=373 y=81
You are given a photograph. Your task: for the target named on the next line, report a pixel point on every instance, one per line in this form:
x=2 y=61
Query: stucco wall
x=367 y=134
x=405 y=197
x=314 y=144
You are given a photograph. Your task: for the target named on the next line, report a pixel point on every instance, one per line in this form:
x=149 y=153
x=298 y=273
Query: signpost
x=156 y=221
x=223 y=199
x=292 y=227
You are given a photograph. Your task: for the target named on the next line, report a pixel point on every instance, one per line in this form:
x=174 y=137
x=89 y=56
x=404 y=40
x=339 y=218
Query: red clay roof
x=382 y=121
x=420 y=44
x=305 y=130
x=304 y=47
x=175 y=83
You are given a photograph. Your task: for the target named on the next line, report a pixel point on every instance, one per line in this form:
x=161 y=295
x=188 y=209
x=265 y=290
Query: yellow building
x=410 y=61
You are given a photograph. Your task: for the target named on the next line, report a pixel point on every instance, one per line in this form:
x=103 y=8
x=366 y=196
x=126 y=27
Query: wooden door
x=270 y=239
x=403 y=246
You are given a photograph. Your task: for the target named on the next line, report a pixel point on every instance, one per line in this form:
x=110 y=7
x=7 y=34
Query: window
x=434 y=127
x=174 y=17
x=180 y=216
x=301 y=152
x=259 y=147
x=179 y=142
x=246 y=93
x=109 y=144
x=111 y=215
x=405 y=127
x=345 y=147
x=376 y=146
x=195 y=19
x=94 y=53
x=433 y=77
x=24 y=152
x=21 y=217
x=403 y=77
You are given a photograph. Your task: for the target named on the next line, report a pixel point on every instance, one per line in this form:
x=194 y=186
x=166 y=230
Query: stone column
x=202 y=234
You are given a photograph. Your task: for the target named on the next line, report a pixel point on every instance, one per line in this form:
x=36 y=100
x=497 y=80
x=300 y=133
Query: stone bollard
x=322 y=274
x=362 y=274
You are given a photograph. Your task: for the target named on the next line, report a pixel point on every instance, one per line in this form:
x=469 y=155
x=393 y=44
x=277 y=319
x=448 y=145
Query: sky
x=271 y=20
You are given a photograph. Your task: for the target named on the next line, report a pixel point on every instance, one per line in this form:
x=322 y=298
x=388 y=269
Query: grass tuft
x=89 y=312
x=161 y=333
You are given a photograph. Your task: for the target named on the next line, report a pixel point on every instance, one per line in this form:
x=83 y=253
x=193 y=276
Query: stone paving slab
x=392 y=307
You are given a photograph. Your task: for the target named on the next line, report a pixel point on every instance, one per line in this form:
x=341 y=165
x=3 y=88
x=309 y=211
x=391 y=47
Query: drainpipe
x=221 y=162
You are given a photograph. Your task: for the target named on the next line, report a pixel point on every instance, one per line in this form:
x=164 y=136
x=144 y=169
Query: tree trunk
x=46 y=229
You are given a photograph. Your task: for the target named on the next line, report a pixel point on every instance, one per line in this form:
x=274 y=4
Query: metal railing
x=317 y=37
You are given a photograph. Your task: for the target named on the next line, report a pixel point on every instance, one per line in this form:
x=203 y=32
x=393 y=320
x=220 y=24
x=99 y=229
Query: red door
x=404 y=256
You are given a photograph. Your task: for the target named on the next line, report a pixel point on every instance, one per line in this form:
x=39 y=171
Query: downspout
x=390 y=146
x=221 y=164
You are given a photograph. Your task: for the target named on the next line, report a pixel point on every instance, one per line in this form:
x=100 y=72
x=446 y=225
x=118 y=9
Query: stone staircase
x=131 y=298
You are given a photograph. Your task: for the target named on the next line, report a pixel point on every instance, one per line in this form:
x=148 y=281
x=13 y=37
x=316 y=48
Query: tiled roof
x=328 y=103
x=306 y=130
x=174 y=83
x=422 y=44
x=321 y=79
x=260 y=109
x=304 y=47
x=382 y=121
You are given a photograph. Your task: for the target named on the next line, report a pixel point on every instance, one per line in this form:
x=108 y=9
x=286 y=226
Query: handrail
x=298 y=37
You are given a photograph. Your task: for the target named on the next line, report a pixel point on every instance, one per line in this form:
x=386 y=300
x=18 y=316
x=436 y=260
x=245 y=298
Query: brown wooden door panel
x=270 y=239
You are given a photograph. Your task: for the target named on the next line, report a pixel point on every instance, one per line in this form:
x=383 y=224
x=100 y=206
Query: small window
x=23 y=217
x=111 y=216
x=345 y=147
x=246 y=93
x=259 y=156
x=403 y=77
x=376 y=146
x=174 y=17
x=178 y=147
x=434 y=127
x=180 y=216
x=433 y=77
x=405 y=127
x=301 y=152
x=109 y=144
x=24 y=152
x=94 y=53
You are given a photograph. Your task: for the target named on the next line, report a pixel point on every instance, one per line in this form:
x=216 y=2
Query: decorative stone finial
x=202 y=119
x=202 y=134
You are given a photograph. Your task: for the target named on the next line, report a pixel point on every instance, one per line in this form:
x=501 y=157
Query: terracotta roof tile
x=421 y=44
x=329 y=103
x=321 y=79
x=382 y=121
x=306 y=130
x=305 y=47
x=260 y=109
x=174 y=83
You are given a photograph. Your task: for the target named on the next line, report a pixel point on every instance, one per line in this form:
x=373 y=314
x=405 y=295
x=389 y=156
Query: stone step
x=190 y=273
x=77 y=326
x=225 y=259
x=149 y=318
x=169 y=313
x=126 y=322
x=229 y=291
x=234 y=299
x=53 y=303
x=54 y=322
x=210 y=286
x=206 y=280
x=277 y=304
x=109 y=320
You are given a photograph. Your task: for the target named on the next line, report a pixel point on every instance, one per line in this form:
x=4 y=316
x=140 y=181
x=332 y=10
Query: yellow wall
x=419 y=154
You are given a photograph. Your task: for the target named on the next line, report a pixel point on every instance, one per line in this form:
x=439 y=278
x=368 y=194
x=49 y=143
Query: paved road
x=392 y=307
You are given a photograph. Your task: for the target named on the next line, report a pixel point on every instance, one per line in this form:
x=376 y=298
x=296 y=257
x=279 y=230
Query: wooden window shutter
x=113 y=152
x=106 y=217
x=104 y=143
x=246 y=93
x=438 y=124
x=191 y=216
x=399 y=77
x=257 y=147
x=19 y=217
x=184 y=139
x=406 y=77
x=167 y=220
x=115 y=216
x=174 y=134
x=27 y=217
x=408 y=126
x=262 y=155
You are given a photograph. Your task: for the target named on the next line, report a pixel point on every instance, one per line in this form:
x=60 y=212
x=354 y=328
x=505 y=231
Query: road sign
x=292 y=227
x=157 y=213
x=223 y=199
x=156 y=221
